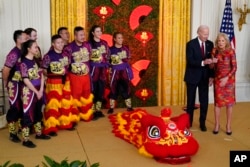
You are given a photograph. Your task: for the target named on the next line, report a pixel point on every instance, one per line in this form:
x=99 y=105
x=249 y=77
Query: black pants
x=203 y=99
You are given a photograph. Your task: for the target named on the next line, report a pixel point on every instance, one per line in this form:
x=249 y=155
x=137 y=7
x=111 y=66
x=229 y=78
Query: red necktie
x=202 y=50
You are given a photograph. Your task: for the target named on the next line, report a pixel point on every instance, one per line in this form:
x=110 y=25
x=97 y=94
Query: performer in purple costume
x=32 y=93
x=99 y=65
x=121 y=73
x=78 y=52
x=12 y=80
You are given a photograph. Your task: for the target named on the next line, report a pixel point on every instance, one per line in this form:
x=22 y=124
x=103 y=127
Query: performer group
x=66 y=85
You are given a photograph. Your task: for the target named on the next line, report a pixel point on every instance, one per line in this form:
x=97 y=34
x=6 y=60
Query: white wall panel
x=21 y=14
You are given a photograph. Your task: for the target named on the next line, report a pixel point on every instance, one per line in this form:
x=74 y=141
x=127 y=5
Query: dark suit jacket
x=194 y=70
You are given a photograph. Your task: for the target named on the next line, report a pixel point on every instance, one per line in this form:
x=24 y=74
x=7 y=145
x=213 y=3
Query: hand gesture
x=208 y=61
x=223 y=81
x=214 y=60
x=39 y=95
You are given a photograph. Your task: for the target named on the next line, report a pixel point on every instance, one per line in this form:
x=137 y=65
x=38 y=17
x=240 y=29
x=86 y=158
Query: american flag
x=227 y=25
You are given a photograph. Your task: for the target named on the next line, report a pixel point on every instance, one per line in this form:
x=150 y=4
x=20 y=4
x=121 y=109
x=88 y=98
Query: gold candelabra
x=243 y=14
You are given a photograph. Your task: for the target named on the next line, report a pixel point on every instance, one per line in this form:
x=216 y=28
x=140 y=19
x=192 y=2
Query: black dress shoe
x=29 y=144
x=97 y=115
x=100 y=114
x=229 y=133
x=53 y=134
x=203 y=128
x=14 y=138
x=130 y=109
x=110 y=111
x=43 y=137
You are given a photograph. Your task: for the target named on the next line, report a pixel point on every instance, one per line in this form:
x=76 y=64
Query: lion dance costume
x=165 y=139
x=79 y=77
x=57 y=113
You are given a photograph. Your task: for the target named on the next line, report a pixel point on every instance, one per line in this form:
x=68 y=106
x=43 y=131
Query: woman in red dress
x=224 y=81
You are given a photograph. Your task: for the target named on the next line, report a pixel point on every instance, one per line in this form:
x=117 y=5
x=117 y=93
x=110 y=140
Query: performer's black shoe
x=100 y=114
x=97 y=115
x=130 y=109
x=14 y=138
x=53 y=134
x=110 y=111
x=43 y=137
x=29 y=144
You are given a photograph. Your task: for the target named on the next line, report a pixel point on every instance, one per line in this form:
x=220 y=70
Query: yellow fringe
x=77 y=103
x=64 y=120
x=88 y=100
x=53 y=104
x=87 y=115
x=74 y=118
x=66 y=104
x=67 y=86
x=143 y=151
x=51 y=122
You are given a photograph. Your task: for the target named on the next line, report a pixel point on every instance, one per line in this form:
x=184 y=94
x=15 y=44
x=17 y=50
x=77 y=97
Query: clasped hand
x=210 y=60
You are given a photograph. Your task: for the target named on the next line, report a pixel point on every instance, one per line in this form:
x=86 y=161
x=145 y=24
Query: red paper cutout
x=137 y=14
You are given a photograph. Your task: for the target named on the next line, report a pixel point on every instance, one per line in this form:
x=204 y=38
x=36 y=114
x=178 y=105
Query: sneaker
x=130 y=109
x=14 y=138
x=43 y=136
x=53 y=134
x=29 y=144
x=110 y=111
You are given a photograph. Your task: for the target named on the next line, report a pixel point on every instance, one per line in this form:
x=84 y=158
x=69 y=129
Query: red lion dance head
x=165 y=139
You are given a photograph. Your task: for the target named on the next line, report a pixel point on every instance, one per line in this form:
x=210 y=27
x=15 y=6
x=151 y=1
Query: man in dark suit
x=198 y=74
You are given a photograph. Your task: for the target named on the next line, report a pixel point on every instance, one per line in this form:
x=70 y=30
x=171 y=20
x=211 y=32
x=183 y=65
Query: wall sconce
x=243 y=12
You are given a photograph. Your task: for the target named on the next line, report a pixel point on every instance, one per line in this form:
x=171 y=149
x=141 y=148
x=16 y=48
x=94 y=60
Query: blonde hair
x=225 y=36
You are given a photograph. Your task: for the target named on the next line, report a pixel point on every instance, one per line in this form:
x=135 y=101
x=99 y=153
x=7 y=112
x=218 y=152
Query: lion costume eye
x=154 y=132
x=186 y=132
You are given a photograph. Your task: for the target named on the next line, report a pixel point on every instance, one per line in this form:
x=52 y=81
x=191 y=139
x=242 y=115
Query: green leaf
x=64 y=163
x=16 y=165
x=6 y=164
x=84 y=164
x=49 y=160
x=95 y=165
x=44 y=164
x=76 y=163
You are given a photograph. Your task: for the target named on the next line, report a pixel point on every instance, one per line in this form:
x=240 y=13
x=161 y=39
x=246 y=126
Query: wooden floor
x=94 y=142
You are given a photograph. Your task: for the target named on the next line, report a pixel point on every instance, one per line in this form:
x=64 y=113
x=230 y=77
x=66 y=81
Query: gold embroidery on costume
x=33 y=72
x=17 y=76
x=57 y=67
x=26 y=92
x=79 y=68
x=64 y=61
x=81 y=56
x=11 y=91
x=117 y=59
x=96 y=55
